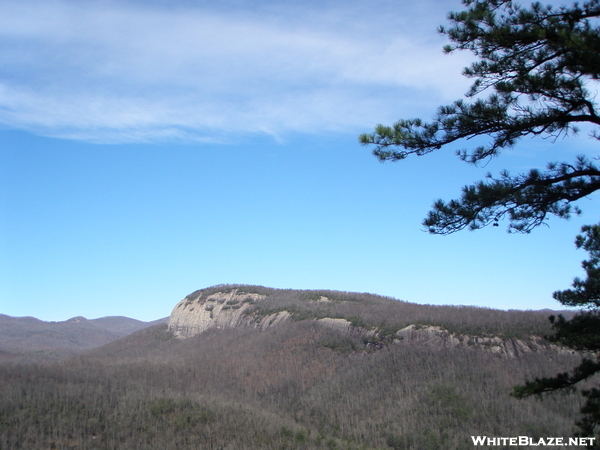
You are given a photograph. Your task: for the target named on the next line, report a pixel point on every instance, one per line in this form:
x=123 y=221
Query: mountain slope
x=230 y=306
x=27 y=338
x=400 y=376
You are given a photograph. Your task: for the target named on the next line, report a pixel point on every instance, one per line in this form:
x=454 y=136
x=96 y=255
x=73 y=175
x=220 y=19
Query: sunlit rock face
x=193 y=315
x=241 y=306
x=438 y=337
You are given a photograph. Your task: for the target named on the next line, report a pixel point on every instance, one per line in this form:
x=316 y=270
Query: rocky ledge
x=201 y=311
x=195 y=314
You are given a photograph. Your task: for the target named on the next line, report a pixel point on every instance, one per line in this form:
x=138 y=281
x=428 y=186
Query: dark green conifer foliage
x=582 y=332
x=541 y=67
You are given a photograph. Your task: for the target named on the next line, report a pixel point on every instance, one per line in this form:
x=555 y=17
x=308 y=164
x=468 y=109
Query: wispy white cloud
x=121 y=71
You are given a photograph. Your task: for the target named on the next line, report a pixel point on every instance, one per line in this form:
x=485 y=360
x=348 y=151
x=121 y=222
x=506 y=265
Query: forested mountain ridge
x=31 y=339
x=375 y=318
x=338 y=371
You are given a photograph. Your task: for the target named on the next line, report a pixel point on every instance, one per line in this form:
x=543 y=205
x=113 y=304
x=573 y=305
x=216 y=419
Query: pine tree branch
x=562 y=381
x=539 y=63
x=526 y=200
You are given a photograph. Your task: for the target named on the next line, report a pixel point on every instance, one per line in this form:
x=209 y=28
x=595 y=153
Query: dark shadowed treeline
x=300 y=385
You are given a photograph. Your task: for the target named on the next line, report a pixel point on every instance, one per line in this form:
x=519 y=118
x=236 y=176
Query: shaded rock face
x=192 y=316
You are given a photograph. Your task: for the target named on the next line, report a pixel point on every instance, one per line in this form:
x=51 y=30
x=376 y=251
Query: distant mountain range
x=27 y=339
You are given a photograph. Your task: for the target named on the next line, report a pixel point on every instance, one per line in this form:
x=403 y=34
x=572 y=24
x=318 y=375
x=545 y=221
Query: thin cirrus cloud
x=126 y=72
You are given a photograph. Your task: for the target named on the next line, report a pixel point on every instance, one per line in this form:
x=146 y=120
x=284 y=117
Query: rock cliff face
x=234 y=307
x=193 y=315
x=197 y=313
x=438 y=337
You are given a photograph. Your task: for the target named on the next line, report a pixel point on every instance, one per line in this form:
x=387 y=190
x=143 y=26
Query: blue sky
x=149 y=149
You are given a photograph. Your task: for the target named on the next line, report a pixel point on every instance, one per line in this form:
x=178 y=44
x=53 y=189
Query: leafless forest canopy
x=300 y=385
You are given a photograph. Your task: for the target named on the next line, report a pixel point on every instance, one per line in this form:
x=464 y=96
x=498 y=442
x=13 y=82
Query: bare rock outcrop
x=193 y=315
x=439 y=338
x=233 y=308
x=337 y=324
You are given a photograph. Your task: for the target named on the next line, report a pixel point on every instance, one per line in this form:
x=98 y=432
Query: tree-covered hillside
x=300 y=385
x=385 y=313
